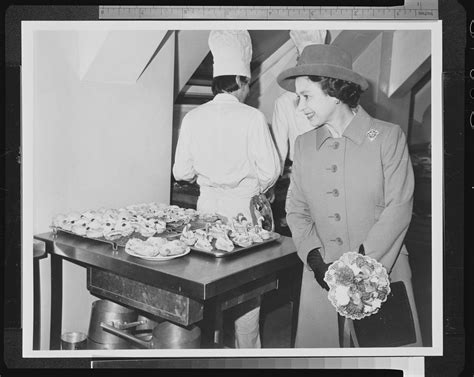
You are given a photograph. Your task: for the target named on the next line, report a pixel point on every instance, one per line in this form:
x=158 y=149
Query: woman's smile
x=310 y=115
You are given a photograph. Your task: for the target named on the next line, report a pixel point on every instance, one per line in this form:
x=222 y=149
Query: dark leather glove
x=316 y=263
x=361 y=249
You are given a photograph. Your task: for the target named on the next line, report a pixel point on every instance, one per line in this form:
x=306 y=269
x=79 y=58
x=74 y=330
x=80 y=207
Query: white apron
x=225 y=202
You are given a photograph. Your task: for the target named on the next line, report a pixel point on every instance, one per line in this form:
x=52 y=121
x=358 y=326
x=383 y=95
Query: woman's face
x=318 y=107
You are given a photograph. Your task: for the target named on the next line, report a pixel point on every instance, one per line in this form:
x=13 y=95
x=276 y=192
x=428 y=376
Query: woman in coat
x=351 y=188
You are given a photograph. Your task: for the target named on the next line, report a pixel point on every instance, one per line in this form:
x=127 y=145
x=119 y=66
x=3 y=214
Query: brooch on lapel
x=372 y=134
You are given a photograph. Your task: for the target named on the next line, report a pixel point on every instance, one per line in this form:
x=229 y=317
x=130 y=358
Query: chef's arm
x=385 y=239
x=298 y=215
x=183 y=168
x=263 y=153
x=280 y=131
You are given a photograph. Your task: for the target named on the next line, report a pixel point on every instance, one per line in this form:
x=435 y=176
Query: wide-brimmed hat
x=322 y=60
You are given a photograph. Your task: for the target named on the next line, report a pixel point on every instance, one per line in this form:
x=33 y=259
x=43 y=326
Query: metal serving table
x=193 y=289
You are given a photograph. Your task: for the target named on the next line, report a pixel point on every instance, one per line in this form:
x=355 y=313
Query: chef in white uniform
x=228 y=147
x=287 y=122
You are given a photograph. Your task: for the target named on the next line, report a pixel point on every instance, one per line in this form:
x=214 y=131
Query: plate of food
x=156 y=249
x=358 y=285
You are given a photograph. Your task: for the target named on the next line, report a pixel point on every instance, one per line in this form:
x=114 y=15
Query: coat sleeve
x=183 y=168
x=280 y=129
x=385 y=239
x=263 y=154
x=298 y=215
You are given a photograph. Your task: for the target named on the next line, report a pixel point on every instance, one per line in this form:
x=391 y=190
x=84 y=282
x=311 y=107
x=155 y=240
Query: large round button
x=335 y=145
x=334 y=168
x=335 y=192
x=337 y=217
x=339 y=241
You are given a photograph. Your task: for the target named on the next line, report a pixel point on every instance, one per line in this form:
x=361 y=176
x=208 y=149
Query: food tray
x=237 y=249
x=169 y=233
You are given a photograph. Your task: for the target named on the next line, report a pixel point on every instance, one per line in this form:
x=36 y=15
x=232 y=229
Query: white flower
x=355 y=269
x=376 y=303
x=342 y=295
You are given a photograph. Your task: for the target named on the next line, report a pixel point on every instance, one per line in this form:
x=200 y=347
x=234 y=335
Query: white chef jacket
x=228 y=146
x=287 y=124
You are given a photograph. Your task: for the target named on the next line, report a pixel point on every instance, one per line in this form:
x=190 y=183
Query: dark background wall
x=454 y=41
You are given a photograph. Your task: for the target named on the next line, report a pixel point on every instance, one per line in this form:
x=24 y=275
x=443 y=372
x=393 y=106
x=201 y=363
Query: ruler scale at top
x=413 y=9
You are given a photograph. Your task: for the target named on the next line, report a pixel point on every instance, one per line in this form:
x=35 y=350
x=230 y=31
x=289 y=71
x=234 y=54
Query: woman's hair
x=345 y=91
x=227 y=83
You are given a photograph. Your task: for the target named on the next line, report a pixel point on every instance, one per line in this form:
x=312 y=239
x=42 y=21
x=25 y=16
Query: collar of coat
x=222 y=97
x=355 y=131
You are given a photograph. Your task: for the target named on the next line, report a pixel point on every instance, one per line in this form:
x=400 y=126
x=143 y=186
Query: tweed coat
x=344 y=192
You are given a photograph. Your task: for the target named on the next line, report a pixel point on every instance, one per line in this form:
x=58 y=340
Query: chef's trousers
x=225 y=203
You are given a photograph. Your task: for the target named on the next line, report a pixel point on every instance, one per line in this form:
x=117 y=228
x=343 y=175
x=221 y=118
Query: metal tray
x=169 y=233
x=237 y=249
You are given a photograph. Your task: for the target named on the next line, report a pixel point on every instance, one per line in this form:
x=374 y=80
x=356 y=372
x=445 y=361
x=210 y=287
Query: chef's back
x=225 y=143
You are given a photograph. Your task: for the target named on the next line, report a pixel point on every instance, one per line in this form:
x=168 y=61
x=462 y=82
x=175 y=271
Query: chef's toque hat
x=303 y=38
x=232 y=52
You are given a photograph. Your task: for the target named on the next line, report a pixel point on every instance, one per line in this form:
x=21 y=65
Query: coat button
x=334 y=192
x=332 y=168
x=335 y=145
x=337 y=217
x=339 y=241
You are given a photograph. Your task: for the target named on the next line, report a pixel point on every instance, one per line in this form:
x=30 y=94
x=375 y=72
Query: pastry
x=156 y=241
x=175 y=247
x=242 y=240
x=204 y=244
x=188 y=236
x=139 y=247
x=125 y=227
x=89 y=215
x=71 y=220
x=80 y=227
x=265 y=234
x=209 y=217
x=112 y=235
x=224 y=243
x=146 y=228
x=94 y=232
x=160 y=226
x=254 y=236
x=59 y=220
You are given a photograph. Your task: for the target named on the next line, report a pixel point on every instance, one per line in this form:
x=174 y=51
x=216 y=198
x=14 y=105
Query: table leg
x=36 y=306
x=212 y=325
x=56 y=301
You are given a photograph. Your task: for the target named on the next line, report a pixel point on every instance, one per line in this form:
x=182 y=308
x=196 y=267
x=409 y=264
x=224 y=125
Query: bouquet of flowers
x=358 y=285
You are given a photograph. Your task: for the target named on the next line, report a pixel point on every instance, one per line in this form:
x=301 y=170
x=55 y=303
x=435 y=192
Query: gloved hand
x=361 y=249
x=316 y=263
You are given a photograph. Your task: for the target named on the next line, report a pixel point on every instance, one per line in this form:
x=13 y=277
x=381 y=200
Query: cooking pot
x=117 y=315
x=164 y=335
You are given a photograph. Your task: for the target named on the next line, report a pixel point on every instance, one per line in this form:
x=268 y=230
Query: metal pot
x=164 y=335
x=117 y=315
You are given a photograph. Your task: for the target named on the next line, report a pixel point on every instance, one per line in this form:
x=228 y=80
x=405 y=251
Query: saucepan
x=164 y=335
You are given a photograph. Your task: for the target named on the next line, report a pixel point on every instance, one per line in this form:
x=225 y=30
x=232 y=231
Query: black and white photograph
x=237 y=188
